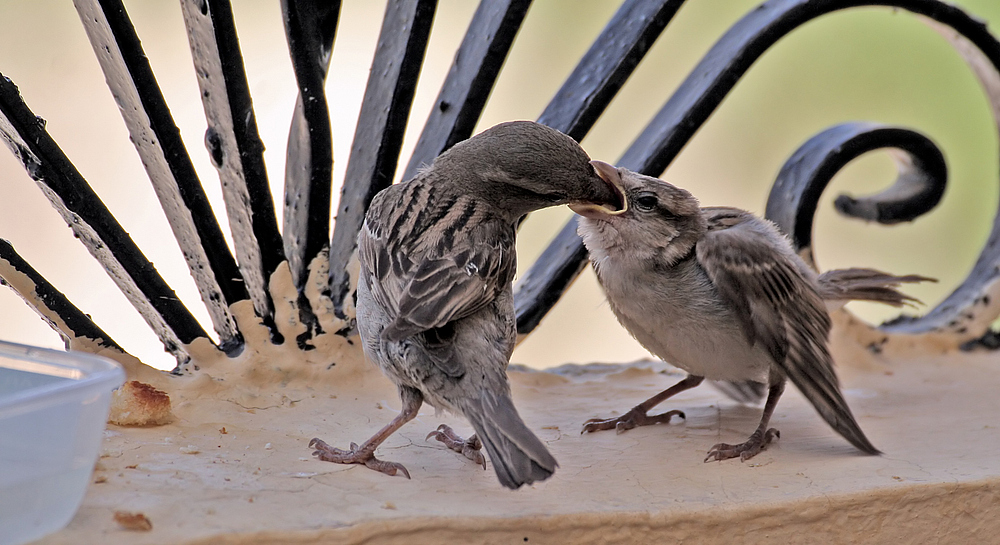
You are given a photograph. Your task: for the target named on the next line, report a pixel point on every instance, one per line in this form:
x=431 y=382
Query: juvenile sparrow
x=721 y=294
x=434 y=305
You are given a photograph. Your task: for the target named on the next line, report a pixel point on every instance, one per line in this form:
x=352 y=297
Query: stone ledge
x=934 y=417
x=944 y=513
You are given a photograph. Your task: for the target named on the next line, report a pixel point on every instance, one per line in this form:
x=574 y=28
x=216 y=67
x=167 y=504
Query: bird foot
x=470 y=448
x=356 y=455
x=752 y=447
x=635 y=417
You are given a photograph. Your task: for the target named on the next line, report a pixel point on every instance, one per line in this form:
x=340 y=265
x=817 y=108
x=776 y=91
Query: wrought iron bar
x=310 y=26
x=166 y=160
x=94 y=225
x=379 y=135
x=51 y=305
x=575 y=108
x=606 y=66
x=235 y=147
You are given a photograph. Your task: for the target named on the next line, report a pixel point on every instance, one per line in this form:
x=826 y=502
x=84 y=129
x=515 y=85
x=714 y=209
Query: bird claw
x=633 y=418
x=744 y=451
x=356 y=455
x=384 y=466
x=470 y=448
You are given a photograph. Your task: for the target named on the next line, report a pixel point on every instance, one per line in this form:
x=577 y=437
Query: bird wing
x=776 y=306
x=432 y=271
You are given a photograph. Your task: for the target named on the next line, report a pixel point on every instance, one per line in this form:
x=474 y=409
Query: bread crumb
x=190 y=449
x=136 y=522
x=139 y=404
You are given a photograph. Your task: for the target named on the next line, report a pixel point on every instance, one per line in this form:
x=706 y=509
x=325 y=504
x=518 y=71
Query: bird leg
x=760 y=438
x=365 y=454
x=470 y=448
x=638 y=415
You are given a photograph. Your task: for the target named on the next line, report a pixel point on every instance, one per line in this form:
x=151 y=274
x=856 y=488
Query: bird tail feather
x=518 y=456
x=862 y=284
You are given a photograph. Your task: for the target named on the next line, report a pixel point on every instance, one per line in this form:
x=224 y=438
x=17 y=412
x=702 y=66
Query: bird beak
x=610 y=175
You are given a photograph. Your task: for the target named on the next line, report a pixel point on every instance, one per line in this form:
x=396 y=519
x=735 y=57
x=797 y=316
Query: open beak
x=610 y=175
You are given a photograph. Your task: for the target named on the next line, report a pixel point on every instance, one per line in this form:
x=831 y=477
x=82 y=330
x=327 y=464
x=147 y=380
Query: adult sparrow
x=434 y=304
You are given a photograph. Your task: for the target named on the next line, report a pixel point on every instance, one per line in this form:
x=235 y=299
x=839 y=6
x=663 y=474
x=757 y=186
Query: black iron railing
x=303 y=241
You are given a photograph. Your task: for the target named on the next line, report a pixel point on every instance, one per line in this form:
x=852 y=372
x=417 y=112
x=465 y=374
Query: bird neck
x=683 y=246
x=510 y=195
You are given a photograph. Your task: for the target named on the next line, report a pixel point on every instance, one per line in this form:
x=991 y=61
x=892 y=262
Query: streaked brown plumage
x=721 y=294
x=435 y=309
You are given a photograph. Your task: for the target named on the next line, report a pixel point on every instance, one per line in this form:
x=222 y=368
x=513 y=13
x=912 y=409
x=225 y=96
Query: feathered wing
x=779 y=309
x=837 y=287
x=453 y=267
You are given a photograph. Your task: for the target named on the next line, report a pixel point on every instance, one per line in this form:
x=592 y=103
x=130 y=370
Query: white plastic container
x=53 y=410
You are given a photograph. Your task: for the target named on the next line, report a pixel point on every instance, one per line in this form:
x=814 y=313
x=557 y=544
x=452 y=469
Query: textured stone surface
x=234 y=467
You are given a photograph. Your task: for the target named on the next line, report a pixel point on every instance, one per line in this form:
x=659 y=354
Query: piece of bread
x=137 y=522
x=139 y=404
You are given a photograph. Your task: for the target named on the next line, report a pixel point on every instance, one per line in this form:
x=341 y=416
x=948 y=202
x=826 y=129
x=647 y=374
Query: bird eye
x=645 y=202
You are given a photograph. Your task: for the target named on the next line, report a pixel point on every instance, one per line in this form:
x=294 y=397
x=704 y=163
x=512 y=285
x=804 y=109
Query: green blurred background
x=871 y=64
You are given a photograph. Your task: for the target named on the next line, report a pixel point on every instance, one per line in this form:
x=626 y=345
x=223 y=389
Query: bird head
x=522 y=166
x=655 y=218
